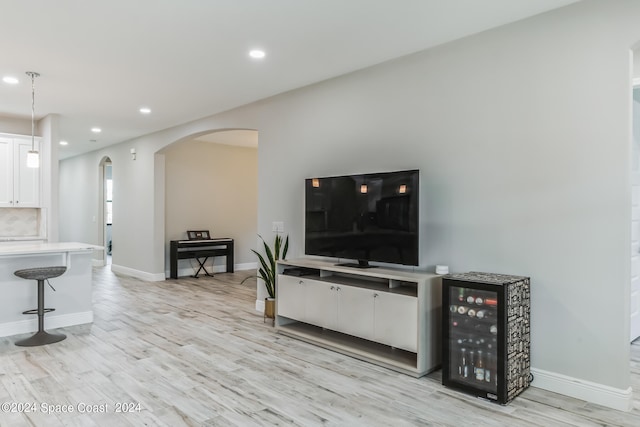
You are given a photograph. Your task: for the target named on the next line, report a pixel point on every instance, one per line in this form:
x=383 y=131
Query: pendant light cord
x=33 y=112
x=33 y=76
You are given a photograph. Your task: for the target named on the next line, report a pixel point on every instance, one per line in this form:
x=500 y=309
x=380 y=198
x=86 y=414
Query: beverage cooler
x=486 y=334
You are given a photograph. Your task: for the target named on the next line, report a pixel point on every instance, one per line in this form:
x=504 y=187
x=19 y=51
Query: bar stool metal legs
x=41 y=337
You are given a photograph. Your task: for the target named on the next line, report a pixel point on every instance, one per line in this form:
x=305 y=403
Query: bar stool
x=40 y=274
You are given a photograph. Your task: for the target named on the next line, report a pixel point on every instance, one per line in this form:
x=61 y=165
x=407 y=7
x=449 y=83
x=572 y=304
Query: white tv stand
x=389 y=317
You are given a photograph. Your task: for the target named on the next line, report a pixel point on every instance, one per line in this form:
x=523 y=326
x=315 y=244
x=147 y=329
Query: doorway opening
x=634 y=300
x=106 y=211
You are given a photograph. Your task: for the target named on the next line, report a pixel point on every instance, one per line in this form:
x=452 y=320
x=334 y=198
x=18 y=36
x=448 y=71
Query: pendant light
x=33 y=157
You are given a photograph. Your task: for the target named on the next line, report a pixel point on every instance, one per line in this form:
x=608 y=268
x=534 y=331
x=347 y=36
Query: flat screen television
x=366 y=217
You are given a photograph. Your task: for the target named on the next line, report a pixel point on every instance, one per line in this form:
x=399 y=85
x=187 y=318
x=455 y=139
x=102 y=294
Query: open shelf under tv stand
x=390 y=317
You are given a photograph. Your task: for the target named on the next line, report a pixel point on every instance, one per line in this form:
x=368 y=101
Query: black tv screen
x=367 y=217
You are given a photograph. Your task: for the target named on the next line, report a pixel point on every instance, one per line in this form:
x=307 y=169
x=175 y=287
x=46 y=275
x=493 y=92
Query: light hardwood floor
x=194 y=352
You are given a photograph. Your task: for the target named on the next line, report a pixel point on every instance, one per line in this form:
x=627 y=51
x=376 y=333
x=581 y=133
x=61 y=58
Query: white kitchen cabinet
x=385 y=316
x=6 y=172
x=19 y=184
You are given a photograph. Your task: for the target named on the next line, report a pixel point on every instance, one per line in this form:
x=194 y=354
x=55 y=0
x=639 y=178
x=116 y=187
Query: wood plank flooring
x=194 y=352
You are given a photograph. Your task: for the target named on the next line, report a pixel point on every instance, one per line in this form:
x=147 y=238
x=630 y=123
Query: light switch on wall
x=277 y=226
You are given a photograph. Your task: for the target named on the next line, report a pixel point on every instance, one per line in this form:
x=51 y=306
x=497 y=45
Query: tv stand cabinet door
x=290 y=297
x=355 y=311
x=321 y=304
x=396 y=321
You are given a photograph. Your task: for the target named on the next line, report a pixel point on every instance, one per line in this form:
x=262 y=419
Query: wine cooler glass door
x=473 y=338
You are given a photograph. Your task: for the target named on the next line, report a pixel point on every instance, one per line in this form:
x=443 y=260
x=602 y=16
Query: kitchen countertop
x=25 y=248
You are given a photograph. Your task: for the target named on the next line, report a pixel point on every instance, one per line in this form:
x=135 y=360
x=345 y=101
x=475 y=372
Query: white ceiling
x=100 y=61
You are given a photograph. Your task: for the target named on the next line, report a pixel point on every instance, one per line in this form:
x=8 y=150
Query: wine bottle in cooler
x=479 y=366
x=463 y=364
x=491 y=302
x=488 y=370
x=461 y=297
x=482 y=314
x=472 y=364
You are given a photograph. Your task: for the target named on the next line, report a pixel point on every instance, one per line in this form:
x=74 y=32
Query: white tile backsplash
x=20 y=222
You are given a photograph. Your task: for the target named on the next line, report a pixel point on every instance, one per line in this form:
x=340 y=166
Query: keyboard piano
x=199 y=249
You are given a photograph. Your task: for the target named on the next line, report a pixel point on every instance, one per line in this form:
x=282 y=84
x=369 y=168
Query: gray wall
x=15 y=125
x=522 y=136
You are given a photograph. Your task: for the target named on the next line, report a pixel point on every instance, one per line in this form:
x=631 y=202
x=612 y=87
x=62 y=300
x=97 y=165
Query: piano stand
x=198 y=257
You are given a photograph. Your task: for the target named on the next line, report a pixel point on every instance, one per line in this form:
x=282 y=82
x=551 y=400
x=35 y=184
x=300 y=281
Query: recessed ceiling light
x=96 y=130
x=256 y=53
x=10 y=80
x=64 y=143
x=145 y=110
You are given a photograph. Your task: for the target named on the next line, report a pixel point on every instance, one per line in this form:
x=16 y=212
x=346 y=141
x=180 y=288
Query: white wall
x=15 y=125
x=522 y=136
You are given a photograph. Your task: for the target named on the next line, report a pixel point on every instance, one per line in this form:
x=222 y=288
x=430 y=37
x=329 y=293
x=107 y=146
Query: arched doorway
x=209 y=182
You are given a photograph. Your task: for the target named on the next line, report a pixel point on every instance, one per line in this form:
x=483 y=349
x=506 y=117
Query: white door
x=635 y=253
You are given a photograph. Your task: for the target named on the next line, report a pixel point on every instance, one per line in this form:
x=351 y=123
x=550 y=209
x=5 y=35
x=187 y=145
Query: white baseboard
x=615 y=398
x=246 y=266
x=186 y=271
x=143 y=275
x=51 y=322
x=222 y=268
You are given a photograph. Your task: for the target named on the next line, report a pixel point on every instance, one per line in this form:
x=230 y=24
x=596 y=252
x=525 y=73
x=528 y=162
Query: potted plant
x=267 y=271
